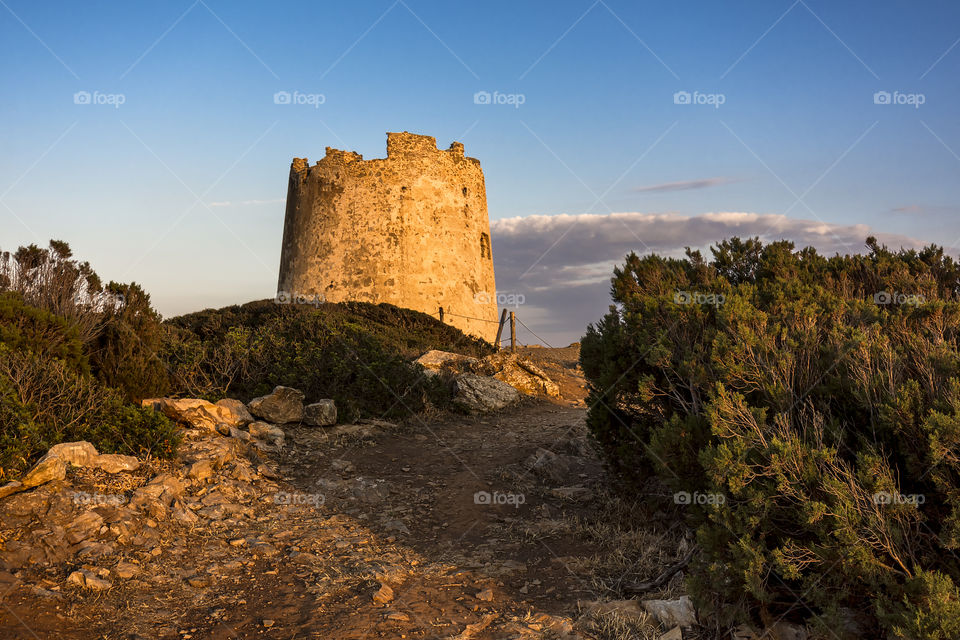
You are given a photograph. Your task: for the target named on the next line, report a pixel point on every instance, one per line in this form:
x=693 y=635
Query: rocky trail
x=486 y=527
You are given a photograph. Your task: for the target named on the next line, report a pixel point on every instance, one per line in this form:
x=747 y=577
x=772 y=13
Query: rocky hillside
x=272 y=522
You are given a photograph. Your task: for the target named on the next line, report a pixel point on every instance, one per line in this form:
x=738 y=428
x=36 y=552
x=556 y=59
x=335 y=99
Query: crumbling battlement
x=410 y=229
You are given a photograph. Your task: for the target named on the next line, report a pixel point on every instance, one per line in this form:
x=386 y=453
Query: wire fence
x=442 y=313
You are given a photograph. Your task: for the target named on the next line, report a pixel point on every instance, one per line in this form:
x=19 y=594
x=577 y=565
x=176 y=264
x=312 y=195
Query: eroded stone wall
x=410 y=229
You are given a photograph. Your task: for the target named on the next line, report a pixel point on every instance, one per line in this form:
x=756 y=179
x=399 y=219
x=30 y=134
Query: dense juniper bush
x=816 y=402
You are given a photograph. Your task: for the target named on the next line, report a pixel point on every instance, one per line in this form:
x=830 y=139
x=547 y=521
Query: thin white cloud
x=685 y=185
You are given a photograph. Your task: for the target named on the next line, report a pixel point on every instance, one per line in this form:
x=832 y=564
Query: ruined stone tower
x=410 y=229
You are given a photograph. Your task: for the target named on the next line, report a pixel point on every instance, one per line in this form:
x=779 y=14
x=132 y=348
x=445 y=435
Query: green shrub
x=73 y=352
x=826 y=417
x=355 y=353
x=28 y=328
x=44 y=402
x=125 y=354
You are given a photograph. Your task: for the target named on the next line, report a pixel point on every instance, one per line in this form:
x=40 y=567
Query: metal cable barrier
x=513 y=319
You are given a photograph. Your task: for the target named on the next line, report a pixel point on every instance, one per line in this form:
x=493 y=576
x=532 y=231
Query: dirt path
x=462 y=527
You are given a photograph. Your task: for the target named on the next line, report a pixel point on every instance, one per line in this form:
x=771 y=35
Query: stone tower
x=410 y=229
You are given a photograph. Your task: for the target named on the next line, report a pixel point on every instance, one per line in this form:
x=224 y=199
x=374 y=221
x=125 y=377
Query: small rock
x=239 y=434
x=115 y=463
x=86 y=579
x=344 y=466
x=384 y=595
x=83 y=526
x=482 y=393
x=674 y=634
x=281 y=406
x=268 y=623
x=200 y=470
x=486 y=595
x=267 y=472
x=265 y=431
x=398 y=616
x=198 y=582
x=126 y=570
x=672 y=613
x=396 y=525
x=322 y=413
x=76 y=579
x=47 y=470
x=10 y=488
x=435 y=360
x=551 y=466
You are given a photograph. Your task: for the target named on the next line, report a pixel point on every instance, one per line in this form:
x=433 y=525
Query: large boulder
x=320 y=414
x=84 y=454
x=482 y=393
x=436 y=360
x=520 y=373
x=79 y=454
x=282 y=405
x=234 y=412
x=197 y=413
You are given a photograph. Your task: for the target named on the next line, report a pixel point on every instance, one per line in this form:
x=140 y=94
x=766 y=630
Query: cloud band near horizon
x=561 y=265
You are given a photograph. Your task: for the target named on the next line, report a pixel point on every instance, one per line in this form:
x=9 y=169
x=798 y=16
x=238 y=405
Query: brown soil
x=382 y=504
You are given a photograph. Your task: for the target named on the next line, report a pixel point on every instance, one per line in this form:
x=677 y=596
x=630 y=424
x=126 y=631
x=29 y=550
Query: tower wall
x=410 y=229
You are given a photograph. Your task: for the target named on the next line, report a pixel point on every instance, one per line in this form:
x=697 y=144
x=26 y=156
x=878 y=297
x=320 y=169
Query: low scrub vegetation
x=807 y=410
x=73 y=356
x=77 y=356
x=356 y=353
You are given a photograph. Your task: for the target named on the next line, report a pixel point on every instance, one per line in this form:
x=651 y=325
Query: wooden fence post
x=513 y=333
x=503 y=319
x=441 y=314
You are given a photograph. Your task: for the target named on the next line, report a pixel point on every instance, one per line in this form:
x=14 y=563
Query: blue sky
x=181 y=186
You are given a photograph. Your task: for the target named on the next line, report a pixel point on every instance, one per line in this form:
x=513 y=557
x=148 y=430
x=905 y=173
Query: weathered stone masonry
x=410 y=229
